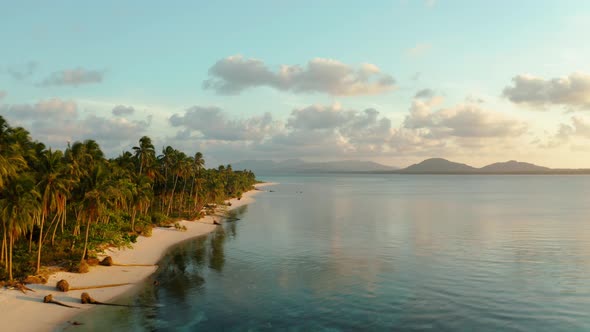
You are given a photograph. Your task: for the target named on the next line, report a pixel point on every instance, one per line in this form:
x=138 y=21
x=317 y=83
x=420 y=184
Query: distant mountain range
x=428 y=166
x=443 y=166
x=300 y=166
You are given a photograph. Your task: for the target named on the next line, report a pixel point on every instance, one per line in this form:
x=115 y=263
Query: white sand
x=20 y=312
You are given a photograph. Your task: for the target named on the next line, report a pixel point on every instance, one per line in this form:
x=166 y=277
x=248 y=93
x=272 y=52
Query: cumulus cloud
x=212 y=123
x=579 y=127
x=22 y=71
x=335 y=132
x=234 y=74
x=121 y=110
x=425 y=94
x=572 y=92
x=321 y=130
x=73 y=77
x=55 y=109
x=464 y=120
x=56 y=122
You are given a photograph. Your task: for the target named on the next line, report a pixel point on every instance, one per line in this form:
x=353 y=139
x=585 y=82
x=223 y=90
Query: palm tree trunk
x=42 y=224
x=172 y=196
x=51 y=225
x=85 y=240
x=10 y=257
x=30 y=240
x=133 y=215
x=3 y=255
x=182 y=202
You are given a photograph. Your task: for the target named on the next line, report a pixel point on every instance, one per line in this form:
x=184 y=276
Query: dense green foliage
x=60 y=207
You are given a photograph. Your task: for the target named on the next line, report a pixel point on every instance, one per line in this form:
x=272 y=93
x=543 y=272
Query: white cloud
x=463 y=120
x=234 y=74
x=73 y=77
x=121 y=110
x=212 y=123
x=572 y=92
x=425 y=94
x=22 y=71
x=56 y=122
x=579 y=127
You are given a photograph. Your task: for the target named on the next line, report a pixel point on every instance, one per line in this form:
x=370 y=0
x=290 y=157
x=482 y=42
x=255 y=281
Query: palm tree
x=101 y=192
x=145 y=153
x=54 y=187
x=20 y=205
x=198 y=164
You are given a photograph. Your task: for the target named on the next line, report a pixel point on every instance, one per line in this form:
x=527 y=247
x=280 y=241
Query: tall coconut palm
x=198 y=164
x=101 y=192
x=145 y=153
x=54 y=184
x=19 y=206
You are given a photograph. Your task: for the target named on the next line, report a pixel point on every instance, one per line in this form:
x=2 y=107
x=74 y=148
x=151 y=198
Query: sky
x=393 y=81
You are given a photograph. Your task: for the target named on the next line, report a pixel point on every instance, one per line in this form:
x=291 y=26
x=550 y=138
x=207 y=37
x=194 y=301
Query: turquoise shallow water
x=381 y=252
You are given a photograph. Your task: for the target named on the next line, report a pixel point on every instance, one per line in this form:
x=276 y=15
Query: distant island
x=443 y=166
x=290 y=166
x=428 y=166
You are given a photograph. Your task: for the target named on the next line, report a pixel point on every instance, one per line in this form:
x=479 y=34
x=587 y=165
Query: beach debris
x=108 y=261
x=83 y=267
x=35 y=280
x=18 y=286
x=85 y=298
x=92 y=261
x=49 y=299
x=64 y=286
x=75 y=322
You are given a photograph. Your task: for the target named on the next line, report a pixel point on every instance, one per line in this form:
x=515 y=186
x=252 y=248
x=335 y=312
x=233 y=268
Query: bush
x=130 y=238
x=180 y=227
x=159 y=219
x=147 y=231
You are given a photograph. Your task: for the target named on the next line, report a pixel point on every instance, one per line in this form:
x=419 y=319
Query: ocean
x=379 y=253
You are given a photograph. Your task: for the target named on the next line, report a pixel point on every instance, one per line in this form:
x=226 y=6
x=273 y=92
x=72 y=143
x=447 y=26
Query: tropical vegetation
x=57 y=208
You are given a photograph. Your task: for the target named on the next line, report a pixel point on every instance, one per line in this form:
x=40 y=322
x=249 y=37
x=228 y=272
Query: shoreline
x=27 y=312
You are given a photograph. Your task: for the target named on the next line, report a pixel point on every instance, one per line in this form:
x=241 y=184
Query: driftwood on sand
x=64 y=286
x=85 y=298
x=49 y=299
x=108 y=261
x=20 y=287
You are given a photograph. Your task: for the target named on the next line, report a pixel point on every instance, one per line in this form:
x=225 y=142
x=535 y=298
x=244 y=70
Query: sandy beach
x=27 y=312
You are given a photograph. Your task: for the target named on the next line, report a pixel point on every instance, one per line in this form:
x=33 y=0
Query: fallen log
x=19 y=286
x=49 y=299
x=64 y=286
x=85 y=298
x=108 y=261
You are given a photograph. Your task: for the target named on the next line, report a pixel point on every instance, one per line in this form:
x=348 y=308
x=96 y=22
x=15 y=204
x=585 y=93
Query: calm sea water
x=381 y=252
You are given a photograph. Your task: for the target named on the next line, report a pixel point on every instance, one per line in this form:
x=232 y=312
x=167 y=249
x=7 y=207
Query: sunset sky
x=390 y=81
